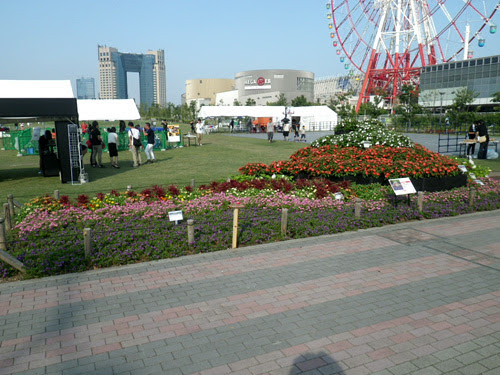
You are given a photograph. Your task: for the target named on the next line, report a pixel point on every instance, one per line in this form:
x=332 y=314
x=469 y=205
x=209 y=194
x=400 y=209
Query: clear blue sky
x=57 y=39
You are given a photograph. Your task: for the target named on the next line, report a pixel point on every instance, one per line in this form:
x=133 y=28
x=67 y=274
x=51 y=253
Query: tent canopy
x=242 y=111
x=44 y=100
x=112 y=110
x=307 y=114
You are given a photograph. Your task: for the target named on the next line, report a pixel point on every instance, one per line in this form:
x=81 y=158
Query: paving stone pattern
x=414 y=298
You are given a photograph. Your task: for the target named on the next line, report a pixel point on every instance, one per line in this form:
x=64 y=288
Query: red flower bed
x=379 y=162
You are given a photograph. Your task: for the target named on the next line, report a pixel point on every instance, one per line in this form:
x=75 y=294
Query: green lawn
x=219 y=157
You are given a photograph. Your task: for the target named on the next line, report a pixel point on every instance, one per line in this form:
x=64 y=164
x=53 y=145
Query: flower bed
x=132 y=227
x=378 y=162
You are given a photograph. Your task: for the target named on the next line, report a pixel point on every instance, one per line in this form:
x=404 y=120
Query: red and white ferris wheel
x=389 y=41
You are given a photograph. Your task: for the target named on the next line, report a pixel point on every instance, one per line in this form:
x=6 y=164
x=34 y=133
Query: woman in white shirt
x=112 y=147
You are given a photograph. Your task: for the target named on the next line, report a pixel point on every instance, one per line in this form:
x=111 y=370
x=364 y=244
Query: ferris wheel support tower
x=394 y=60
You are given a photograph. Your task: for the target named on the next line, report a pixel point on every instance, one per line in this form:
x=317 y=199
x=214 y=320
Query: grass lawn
x=220 y=156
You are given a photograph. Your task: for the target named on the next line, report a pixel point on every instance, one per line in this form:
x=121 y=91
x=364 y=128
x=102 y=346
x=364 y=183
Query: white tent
x=108 y=109
x=17 y=89
x=309 y=116
x=242 y=111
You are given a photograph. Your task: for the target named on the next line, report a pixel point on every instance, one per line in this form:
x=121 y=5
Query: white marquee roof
x=319 y=113
x=107 y=109
x=24 y=89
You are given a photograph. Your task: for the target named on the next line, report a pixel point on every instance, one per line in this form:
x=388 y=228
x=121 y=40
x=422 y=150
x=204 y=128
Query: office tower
x=113 y=69
x=85 y=88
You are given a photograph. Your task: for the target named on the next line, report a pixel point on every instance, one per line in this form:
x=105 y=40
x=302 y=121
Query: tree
x=192 y=109
x=408 y=106
x=236 y=102
x=340 y=104
x=250 y=101
x=282 y=101
x=496 y=99
x=300 y=101
x=461 y=110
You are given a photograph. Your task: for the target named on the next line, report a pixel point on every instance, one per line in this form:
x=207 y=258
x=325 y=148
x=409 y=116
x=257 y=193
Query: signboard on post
x=402 y=186
x=174 y=133
x=175 y=216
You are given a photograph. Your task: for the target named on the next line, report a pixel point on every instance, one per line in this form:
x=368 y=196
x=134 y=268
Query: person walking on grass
x=135 y=144
x=199 y=131
x=150 y=134
x=112 y=147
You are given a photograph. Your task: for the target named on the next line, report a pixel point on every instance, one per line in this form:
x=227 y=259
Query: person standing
x=96 y=142
x=270 y=131
x=135 y=144
x=472 y=135
x=112 y=147
x=150 y=135
x=199 y=131
x=286 y=129
x=482 y=135
x=231 y=125
x=303 y=134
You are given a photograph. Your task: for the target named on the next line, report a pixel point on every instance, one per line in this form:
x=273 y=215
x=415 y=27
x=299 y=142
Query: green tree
x=495 y=98
x=340 y=104
x=192 y=109
x=250 y=101
x=236 y=102
x=281 y=101
x=300 y=101
x=408 y=107
x=461 y=110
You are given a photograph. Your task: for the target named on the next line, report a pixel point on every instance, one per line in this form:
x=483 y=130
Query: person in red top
x=84 y=127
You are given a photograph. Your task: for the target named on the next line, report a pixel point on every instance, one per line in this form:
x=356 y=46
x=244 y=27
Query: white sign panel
x=402 y=186
x=175 y=215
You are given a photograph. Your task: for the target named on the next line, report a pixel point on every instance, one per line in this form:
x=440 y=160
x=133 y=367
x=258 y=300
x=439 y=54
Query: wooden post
x=87 y=241
x=129 y=187
x=472 y=196
x=357 y=208
x=236 y=208
x=284 y=221
x=192 y=183
x=6 y=257
x=10 y=199
x=420 y=201
x=190 y=224
x=57 y=196
x=3 y=240
x=8 y=219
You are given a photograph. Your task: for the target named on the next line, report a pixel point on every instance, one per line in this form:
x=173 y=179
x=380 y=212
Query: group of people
x=286 y=131
x=478 y=132
x=96 y=144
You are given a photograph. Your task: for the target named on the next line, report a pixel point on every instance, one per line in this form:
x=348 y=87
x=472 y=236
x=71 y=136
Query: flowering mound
x=355 y=134
x=376 y=162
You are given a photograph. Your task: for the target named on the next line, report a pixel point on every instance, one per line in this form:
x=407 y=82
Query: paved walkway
x=414 y=298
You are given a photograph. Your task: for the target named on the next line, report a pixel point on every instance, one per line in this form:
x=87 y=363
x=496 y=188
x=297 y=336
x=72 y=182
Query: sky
x=58 y=39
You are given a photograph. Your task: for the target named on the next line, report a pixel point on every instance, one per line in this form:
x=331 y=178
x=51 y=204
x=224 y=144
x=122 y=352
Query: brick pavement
x=412 y=298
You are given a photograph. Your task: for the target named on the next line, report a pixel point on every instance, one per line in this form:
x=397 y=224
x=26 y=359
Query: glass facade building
x=85 y=88
x=113 y=69
x=438 y=83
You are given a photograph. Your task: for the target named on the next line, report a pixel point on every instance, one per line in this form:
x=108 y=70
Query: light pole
x=441 y=109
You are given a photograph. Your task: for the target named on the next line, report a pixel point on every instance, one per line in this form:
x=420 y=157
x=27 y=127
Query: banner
x=174 y=133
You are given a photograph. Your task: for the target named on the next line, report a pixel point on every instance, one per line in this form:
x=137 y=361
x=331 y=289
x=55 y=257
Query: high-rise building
x=85 y=88
x=113 y=69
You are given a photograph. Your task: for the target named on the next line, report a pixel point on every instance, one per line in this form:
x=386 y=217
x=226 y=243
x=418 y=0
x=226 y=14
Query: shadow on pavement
x=321 y=361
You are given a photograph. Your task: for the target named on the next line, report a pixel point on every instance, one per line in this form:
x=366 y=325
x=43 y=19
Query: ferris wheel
x=388 y=41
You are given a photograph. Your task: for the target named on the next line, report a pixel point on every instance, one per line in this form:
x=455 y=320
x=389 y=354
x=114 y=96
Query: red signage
x=261 y=81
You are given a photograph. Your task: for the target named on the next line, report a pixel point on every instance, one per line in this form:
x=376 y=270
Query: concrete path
x=417 y=298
